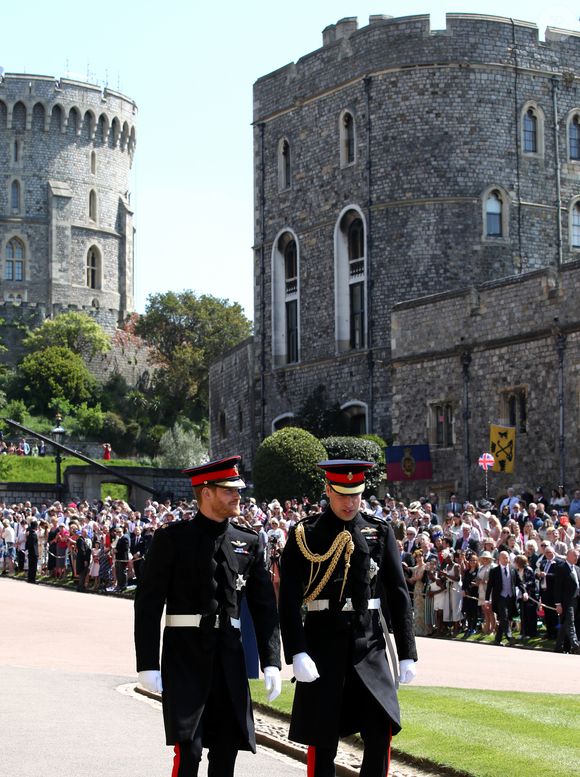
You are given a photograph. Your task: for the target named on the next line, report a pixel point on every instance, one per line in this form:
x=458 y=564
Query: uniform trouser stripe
x=176 y=761
x=388 y=757
x=310 y=761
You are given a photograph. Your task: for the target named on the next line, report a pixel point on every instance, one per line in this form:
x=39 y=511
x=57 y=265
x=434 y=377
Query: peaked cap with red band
x=346 y=476
x=223 y=472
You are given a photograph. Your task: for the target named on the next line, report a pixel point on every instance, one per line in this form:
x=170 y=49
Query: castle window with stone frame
x=284 y=165
x=441 y=426
x=17 y=152
x=574 y=136
x=223 y=425
x=514 y=408
x=495 y=214
x=92 y=205
x=15 y=197
x=93 y=162
x=575 y=224
x=354 y=416
x=350 y=282
x=285 y=300
x=93 y=268
x=14 y=264
x=347 y=133
x=532 y=129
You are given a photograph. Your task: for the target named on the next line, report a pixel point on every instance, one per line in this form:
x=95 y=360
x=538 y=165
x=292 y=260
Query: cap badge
x=350 y=476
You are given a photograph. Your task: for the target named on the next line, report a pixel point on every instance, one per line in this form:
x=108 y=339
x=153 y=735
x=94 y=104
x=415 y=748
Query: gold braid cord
x=342 y=543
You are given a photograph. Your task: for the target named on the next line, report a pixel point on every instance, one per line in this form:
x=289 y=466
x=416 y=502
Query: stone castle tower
x=66 y=223
x=397 y=163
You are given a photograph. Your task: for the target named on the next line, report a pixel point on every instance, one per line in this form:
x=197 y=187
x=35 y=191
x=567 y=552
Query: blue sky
x=190 y=68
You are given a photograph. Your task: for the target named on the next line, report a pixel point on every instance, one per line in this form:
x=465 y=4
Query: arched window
x=14 y=264
x=285 y=296
x=354 y=417
x=93 y=205
x=350 y=282
x=347 y=139
x=284 y=165
x=282 y=421
x=574 y=138
x=15 y=197
x=495 y=214
x=532 y=129
x=575 y=231
x=93 y=269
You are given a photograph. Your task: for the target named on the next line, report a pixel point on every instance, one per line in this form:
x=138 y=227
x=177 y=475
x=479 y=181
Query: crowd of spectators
x=447 y=550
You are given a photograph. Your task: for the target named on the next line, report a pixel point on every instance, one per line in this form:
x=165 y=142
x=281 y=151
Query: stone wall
x=438 y=123
x=510 y=330
x=60 y=141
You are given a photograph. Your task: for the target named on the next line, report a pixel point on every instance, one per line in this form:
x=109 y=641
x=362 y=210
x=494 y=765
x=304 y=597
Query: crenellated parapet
x=45 y=104
x=350 y=53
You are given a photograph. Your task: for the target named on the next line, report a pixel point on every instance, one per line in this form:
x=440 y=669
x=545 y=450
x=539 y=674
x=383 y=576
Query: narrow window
x=357 y=315
x=530 y=132
x=348 y=141
x=574 y=138
x=291 y=303
x=292 y=331
x=15 y=196
x=92 y=205
x=93 y=269
x=284 y=165
x=93 y=162
x=16 y=151
x=515 y=409
x=576 y=225
x=493 y=212
x=222 y=425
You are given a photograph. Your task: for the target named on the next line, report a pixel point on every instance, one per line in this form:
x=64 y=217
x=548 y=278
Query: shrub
x=285 y=465
x=361 y=449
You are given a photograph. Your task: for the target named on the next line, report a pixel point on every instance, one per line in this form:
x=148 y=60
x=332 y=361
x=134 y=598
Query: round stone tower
x=66 y=224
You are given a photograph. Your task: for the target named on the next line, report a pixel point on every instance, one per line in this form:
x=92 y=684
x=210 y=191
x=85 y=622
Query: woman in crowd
x=527 y=587
x=437 y=594
x=419 y=580
x=485 y=565
x=62 y=543
x=494 y=528
x=470 y=590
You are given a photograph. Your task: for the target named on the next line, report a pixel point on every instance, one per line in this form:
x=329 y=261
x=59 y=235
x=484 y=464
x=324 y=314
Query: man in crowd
x=84 y=548
x=32 y=550
x=501 y=592
x=200 y=569
x=342 y=565
x=566 y=593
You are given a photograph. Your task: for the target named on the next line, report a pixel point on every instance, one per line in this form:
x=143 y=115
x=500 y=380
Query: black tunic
x=204 y=567
x=343 y=643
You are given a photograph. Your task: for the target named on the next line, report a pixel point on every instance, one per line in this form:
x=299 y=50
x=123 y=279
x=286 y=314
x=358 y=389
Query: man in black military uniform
x=32 y=548
x=345 y=567
x=200 y=569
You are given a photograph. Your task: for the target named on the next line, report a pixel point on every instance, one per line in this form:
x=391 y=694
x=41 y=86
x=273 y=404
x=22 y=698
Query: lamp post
x=58 y=434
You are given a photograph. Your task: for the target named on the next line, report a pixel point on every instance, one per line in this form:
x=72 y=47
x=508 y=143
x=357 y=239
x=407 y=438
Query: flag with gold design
x=408 y=462
x=502 y=444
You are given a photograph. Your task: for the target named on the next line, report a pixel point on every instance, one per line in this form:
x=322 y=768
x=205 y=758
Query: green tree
x=54 y=372
x=77 y=331
x=363 y=450
x=188 y=333
x=285 y=465
x=88 y=421
x=180 y=448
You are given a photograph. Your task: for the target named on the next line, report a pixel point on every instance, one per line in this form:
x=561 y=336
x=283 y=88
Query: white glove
x=304 y=668
x=407 y=670
x=150 y=679
x=272 y=682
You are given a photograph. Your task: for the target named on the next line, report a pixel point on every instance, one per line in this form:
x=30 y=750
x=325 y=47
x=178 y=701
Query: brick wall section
x=510 y=329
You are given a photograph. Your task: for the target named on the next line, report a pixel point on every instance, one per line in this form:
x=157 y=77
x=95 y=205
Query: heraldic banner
x=408 y=462
x=502 y=444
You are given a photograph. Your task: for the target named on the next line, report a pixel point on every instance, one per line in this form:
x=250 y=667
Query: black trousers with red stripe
x=219 y=730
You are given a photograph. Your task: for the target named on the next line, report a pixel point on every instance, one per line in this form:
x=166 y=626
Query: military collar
x=210 y=527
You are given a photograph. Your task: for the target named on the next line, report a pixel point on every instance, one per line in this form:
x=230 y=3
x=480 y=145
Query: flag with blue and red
x=408 y=462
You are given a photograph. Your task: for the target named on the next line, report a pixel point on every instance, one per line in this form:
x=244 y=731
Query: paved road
x=66 y=666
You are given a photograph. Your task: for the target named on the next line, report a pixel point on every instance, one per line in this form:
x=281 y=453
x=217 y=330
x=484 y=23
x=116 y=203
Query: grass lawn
x=42 y=469
x=482 y=733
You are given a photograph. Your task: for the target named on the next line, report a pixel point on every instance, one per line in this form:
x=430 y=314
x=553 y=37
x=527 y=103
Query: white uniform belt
x=193 y=621
x=319 y=605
